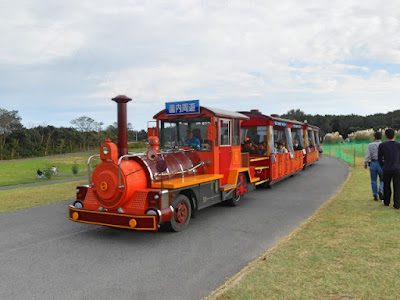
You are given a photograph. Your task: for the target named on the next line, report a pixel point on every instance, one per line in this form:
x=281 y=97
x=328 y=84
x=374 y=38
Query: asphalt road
x=43 y=255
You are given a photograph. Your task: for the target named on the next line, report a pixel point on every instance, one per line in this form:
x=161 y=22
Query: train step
x=261 y=168
x=227 y=187
x=253 y=159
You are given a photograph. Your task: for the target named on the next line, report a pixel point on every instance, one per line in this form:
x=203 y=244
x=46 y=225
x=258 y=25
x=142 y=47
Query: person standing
x=371 y=159
x=389 y=160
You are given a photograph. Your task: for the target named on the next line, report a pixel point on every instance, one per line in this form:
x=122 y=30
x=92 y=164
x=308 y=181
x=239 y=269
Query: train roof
x=215 y=111
x=259 y=115
x=313 y=126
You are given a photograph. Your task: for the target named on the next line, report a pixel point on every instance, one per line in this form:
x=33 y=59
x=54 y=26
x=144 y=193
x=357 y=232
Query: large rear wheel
x=240 y=189
x=182 y=213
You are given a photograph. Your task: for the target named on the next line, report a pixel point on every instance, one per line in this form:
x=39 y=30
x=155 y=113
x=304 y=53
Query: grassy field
x=347 y=250
x=24 y=170
x=38 y=195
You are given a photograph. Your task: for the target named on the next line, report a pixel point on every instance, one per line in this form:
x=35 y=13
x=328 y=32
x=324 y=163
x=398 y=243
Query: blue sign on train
x=278 y=123
x=182 y=107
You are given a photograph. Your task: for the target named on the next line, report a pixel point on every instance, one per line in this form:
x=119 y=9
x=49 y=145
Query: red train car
x=312 y=142
x=197 y=158
x=279 y=145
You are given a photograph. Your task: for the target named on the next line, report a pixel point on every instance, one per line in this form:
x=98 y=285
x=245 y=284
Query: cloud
x=70 y=58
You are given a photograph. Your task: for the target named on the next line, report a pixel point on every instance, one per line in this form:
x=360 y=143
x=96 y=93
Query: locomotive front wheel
x=182 y=213
x=241 y=188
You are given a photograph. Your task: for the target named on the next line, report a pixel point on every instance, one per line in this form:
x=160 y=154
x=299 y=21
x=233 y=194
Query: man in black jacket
x=389 y=159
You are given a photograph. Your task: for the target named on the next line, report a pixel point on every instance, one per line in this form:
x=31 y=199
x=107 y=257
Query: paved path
x=43 y=255
x=41 y=182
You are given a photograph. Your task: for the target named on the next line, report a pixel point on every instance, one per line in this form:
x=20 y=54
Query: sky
x=60 y=60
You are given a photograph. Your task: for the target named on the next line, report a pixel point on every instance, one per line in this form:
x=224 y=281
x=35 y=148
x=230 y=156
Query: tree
x=85 y=125
x=98 y=127
x=10 y=121
x=296 y=114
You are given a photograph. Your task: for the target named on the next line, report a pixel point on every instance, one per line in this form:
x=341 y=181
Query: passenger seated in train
x=281 y=148
x=192 y=141
x=262 y=148
x=297 y=146
x=249 y=147
x=275 y=147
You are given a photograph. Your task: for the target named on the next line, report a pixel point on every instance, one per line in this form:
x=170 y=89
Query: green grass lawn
x=39 y=195
x=24 y=170
x=347 y=250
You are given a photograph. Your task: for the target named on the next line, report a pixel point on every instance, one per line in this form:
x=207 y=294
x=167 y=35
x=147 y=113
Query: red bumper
x=135 y=222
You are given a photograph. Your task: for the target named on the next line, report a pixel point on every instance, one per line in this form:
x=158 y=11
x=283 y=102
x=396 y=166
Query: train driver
x=192 y=141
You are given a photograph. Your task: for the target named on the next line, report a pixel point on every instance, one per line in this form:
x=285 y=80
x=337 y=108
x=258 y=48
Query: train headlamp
x=105 y=150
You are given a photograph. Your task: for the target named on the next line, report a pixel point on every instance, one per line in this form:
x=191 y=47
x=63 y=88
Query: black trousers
x=388 y=177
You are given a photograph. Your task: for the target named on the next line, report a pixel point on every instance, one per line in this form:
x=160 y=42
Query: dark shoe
x=376 y=197
x=383 y=203
x=396 y=208
x=381 y=194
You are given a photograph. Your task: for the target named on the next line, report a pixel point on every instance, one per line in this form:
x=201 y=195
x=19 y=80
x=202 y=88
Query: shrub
x=75 y=168
x=362 y=135
x=397 y=135
x=48 y=173
x=333 y=138
x=137 y=145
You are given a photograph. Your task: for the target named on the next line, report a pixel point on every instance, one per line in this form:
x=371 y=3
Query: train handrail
x=180 y=172
x=88 y=166
x=120 y=186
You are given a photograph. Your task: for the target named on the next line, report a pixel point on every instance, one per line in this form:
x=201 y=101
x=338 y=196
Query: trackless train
x=197 y=157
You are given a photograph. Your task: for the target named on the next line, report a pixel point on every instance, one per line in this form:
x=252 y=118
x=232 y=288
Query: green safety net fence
x=352 y=153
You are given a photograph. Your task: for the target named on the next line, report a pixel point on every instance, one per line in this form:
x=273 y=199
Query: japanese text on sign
x=182 y=107
x=277 y=123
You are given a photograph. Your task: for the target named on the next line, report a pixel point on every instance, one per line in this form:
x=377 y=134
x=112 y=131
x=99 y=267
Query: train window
x=236 y=132
x=243 y=135
x=225 y=132
x=297 y=135
x=279 y=135
x=311 y=138
x=317 y=138
x=185 y=132
x=169 y=135
x=257 y=134
x=271 y=143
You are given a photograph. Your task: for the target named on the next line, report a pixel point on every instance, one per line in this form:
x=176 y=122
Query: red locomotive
x=198 y=156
